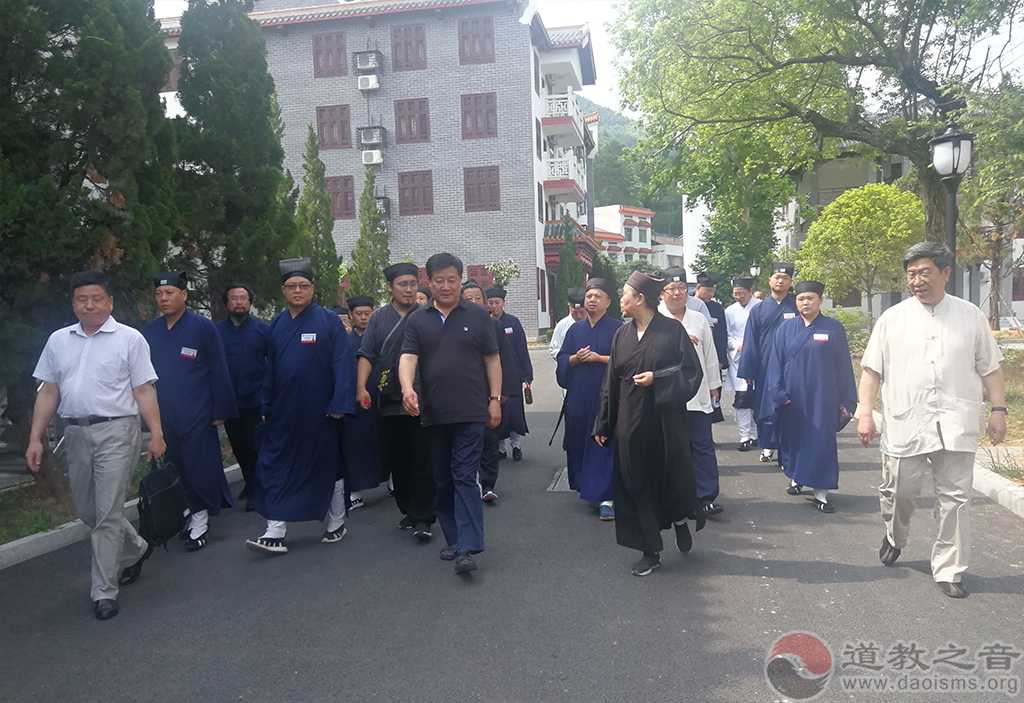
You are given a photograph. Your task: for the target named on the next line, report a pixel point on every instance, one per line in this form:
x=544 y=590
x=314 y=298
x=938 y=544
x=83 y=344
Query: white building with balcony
x=625 y=232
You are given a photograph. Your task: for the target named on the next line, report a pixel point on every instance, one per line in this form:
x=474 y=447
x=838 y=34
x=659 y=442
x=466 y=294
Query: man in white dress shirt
x=576 y=313
x=97 y=375
x=932 y=356
x=736 y=323
x=700 y=408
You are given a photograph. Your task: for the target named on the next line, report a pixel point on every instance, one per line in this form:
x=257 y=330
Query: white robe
x=736 y=324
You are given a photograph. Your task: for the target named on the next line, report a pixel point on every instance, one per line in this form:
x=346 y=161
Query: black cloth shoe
x=795 y=490
x=131 y=574
x=711 y=508
x=448 y=554
x=683 y=538
x=502 y=455
x=105 y=608
x=887 y=553
x=745 y=446
x=267 y=545
x=517 y=454
x=952 y=589
x=194 y=545
x=334 y=535
x=464 y=564
x=406 y=523
x=423 y=532
x=824 y=507
x=767 y=458
x=646 y=565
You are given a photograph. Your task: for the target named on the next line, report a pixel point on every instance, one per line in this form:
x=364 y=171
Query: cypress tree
x=371 y=253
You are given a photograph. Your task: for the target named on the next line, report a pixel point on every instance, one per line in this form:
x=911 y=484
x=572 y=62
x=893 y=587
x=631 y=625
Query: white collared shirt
x=931 y=360
x=96 y=374
x=558 y=335
x=696 y=326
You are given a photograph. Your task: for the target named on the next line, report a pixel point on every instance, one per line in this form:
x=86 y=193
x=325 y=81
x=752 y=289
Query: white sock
x=766 y=452
x=336 y=513
x=276 y=529
x=607 y=503
x=793 y=483
x=821 y=495
x=355 y=496
x=679 y=523
x=516 y=440
x=197 y=523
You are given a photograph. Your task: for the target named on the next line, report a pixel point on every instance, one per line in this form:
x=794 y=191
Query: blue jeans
x=456 y=451
x=702 y=449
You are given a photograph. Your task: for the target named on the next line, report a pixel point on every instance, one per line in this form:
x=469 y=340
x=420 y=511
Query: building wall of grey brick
x=477 y=238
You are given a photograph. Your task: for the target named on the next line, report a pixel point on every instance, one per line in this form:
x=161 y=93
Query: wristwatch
x=1001 y=409
x=495 y=397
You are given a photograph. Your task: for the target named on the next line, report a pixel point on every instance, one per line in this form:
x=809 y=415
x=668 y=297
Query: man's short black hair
x=439 y=262
x=231 y=287
x=939 y=253
x=91 y=278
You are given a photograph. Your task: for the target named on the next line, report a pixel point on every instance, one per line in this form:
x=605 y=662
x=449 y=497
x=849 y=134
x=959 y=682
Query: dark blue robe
x=758 y=343
x=809 y=380
x=516 y=369
x=245 y=348
x=359 y=439
x=193 y=390
x=309 y=377
x=590 y=465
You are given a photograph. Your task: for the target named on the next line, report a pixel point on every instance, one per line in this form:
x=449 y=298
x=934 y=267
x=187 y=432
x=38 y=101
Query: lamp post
x=755 y=270
x=951 y=157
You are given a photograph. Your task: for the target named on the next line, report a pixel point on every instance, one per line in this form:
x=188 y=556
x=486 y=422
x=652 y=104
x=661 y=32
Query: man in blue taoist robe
x=310 y=385
x=758 y=343
x=582 y=365
x=360 y=457
x=195 y=396
x=811 y=388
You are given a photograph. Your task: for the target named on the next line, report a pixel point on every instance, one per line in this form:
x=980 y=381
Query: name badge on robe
x=821 y=336
x=189 y=353
x=508 y=330
x=307 y=338
x=788 y=315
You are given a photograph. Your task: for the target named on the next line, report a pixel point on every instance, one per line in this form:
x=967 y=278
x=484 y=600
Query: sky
x=555 y=13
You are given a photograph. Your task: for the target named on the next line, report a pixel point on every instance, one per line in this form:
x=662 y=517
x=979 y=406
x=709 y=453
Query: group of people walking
x=430 y=391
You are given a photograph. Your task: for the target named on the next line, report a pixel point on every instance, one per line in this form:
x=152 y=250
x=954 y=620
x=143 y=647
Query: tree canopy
x=372 y=251
x=858 y=240
x=315 y=222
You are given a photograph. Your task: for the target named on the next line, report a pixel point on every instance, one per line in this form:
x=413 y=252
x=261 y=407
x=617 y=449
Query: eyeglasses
x=922 y=274
x=675 y=290
x=297 y=286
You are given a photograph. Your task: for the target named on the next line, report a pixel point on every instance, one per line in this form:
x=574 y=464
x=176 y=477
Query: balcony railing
x=562 y=106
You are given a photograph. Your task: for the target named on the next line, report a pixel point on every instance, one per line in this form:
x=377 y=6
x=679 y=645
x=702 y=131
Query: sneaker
x=464 y=564
x=267 y=545
x=490 y=496
x=517 y=454
x=334 y=535
x=606 y=512
x=406 y=523
x=683 y=538
x=422 y=532
x=887 y=553
x=356 y=502
x=646 y=565
x=448 y=554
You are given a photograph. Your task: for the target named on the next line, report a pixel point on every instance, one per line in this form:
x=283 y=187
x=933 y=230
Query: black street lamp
x=951 y=157
x=755 y=270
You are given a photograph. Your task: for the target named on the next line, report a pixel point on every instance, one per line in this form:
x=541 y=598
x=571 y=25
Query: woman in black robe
x=653 y=372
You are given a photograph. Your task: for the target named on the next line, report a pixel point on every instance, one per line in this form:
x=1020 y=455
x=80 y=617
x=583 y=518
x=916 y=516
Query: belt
x=91 y=420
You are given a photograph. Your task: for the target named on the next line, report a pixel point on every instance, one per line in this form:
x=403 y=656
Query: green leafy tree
x=237 y=212
x=316 y=223
x=993 y=195
x=858 y=240
x=372 y=251
x=796 y=75
x=570 y=268
x=84 y=171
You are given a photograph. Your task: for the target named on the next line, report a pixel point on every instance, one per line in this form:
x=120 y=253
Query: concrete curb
x=1002 y=490
x=70 y=532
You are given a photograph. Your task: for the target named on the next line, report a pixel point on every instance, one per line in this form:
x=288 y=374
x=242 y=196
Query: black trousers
x=489 y=460
x=244 y=438
x=405 y=455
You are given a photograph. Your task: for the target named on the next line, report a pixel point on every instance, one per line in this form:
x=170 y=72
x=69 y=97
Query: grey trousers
x=953 y=475
x=101 y=460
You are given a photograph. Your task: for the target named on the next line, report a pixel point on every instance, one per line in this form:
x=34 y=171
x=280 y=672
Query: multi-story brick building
x=466 y=108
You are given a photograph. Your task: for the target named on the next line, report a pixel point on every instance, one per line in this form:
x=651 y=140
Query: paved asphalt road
x=552 y=615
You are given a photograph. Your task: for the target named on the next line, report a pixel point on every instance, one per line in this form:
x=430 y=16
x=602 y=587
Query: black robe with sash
x=653 y=482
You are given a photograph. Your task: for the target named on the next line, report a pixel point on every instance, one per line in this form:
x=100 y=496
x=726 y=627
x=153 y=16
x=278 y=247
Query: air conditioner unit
x=371 y=137
x=368 y=60
x=372 y=157
x=370 y=82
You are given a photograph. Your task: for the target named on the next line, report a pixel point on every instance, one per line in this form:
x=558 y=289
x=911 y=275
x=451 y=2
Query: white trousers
x=745 y=423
